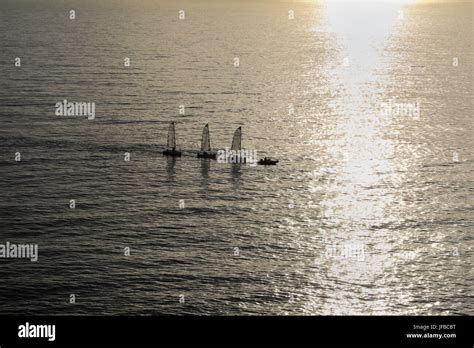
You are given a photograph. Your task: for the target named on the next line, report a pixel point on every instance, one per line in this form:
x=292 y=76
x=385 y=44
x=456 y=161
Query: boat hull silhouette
x=205 y=154
x=267 y=162
x=172 y=152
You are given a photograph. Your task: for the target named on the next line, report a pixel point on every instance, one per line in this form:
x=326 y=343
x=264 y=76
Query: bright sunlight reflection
x=361 y=33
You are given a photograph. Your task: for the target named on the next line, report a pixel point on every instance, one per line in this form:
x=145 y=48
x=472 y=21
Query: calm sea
x=368 y=107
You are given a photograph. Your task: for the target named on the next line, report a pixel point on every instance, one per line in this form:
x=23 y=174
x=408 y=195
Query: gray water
x=396 y=188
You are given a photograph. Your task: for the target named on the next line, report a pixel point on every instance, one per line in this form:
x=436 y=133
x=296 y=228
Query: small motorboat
x=266 y=161
x=206 y=145
x=171 y=145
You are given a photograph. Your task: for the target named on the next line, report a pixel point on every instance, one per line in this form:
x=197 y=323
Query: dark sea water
x=308 y=91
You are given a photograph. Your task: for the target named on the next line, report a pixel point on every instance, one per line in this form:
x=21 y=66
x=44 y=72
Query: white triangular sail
x=206 y=139
x=171 y=136
x=237 y=139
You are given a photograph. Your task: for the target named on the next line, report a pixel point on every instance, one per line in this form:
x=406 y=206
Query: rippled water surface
x=308 y=91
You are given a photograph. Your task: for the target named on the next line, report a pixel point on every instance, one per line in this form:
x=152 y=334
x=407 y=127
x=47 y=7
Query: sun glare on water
x=361 y=31
x=375 y=1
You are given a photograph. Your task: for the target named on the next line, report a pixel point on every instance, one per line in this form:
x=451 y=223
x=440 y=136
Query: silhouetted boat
x=267 y=161
x=206 y=145
x=171 y=145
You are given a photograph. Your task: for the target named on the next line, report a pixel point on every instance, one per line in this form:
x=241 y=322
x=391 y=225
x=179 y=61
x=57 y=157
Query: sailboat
x=206 y=145
x=171 y=145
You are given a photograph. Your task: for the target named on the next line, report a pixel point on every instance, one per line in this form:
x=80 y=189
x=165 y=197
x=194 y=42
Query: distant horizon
x=401 y=2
